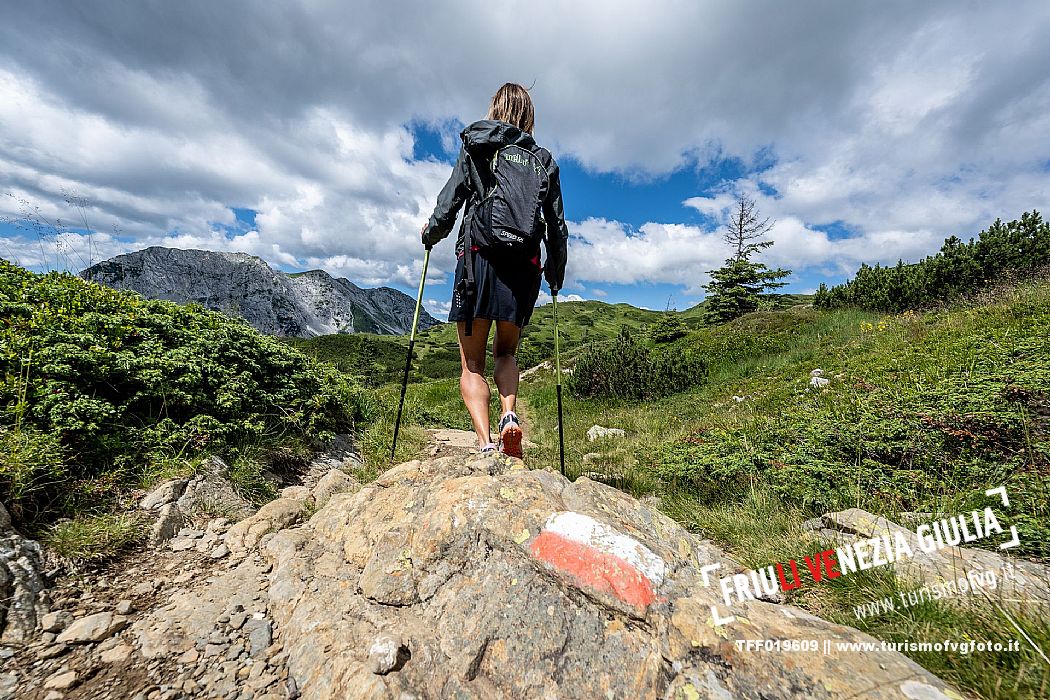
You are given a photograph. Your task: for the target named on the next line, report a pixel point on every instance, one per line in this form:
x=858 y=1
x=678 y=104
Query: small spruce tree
x=667 y=328
x=737 y=287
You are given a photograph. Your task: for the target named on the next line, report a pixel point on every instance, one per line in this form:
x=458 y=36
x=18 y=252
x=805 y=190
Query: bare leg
x=472 y=383
x=504 y=345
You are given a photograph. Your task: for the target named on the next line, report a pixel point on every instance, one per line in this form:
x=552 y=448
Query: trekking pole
x=557 y=374
x=411 y=344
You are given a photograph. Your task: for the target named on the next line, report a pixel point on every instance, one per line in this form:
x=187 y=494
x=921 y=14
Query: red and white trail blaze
x=599 y=557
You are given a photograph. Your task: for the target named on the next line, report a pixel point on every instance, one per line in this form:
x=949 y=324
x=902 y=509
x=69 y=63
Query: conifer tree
x=737 y=287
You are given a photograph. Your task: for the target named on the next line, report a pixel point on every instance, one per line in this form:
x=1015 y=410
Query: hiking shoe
x=510 y=435
x=488 y=449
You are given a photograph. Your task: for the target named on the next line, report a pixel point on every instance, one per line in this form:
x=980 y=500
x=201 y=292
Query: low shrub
x=118 y=382
x=627 y=369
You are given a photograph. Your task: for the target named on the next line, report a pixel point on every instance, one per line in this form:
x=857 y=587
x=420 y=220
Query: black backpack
x=507 y=222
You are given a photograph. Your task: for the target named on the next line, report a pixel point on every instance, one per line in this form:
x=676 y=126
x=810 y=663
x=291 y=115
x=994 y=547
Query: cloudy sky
x=317 y=134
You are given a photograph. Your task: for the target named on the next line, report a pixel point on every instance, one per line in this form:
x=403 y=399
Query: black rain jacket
x=480 y=140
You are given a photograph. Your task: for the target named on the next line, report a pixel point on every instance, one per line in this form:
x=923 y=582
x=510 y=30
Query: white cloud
x=545 y=298
x=438 y=309
x=878 y=117
x=608 y=251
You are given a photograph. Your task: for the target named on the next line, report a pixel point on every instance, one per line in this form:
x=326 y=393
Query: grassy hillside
x=380 y=359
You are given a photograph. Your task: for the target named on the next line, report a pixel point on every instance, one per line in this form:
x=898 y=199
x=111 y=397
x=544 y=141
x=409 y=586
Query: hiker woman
x=512 y=192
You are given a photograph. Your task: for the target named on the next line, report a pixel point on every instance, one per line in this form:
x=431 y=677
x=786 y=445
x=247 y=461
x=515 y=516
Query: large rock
x=472 y=577
x=273 y=516
x=333 y=482
x=169 y=521
x=597 y=432
x=165 y=492
x=210 y=492
x=23 y=588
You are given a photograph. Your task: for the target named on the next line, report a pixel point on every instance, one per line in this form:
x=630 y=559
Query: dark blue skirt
x=505 y=290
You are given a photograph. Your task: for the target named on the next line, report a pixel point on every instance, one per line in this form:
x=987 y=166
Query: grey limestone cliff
x=303 y=305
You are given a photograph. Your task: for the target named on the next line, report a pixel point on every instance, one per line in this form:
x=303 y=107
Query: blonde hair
x=512 y=104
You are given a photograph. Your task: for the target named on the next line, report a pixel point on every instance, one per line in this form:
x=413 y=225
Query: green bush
x=119 y=381
x=958 y=270
x=529 y=353
x=628 y=369
x=668 y=328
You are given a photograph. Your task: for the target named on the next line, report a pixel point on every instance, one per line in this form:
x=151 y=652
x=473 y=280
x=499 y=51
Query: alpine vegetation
x=738 y=286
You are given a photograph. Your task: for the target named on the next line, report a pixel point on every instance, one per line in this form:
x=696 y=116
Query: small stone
x=262 y=682
x=52 y=651
x=61 y=681
x=181 y=544
x=93 y=628
x=189 y=656
x=53 y=695
x=384 y=654
x=118 y=653
x=124 y=607
x=48 y=637
x=218 y=638
x=144 y=588
x=218 y=524
x=190 y=533
x=184 y=577
x=55 y=621
x=237 y=620
x=259 y=637
x=219 y=552
x=213 y=650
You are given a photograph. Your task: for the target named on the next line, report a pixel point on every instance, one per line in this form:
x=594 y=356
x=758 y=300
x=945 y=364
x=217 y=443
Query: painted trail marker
x=599 y=557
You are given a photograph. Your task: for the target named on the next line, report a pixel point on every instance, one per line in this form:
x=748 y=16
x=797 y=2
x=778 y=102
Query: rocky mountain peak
x=303 y=304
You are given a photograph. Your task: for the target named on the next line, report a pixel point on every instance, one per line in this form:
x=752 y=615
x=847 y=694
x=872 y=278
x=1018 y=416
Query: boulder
x=170 y=520
x=166 y=492
x=273 y=516
x=210 y=492
x=298 y=493
x=332 y=483
x=23 y=588
x=473 y=577
x=56 y=621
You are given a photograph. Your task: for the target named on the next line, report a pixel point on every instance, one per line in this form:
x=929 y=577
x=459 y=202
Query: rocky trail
x=448 y=576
